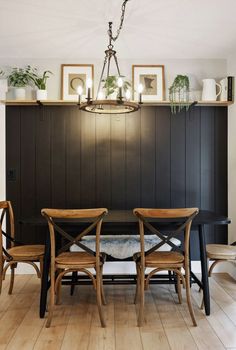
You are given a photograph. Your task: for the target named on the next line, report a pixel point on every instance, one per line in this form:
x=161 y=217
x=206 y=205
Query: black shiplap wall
x=61 y=157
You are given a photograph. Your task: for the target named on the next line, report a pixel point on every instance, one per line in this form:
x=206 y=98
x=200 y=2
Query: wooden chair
x=18 y=252
x=220 y=253
x=64 y=261
x=173 y=260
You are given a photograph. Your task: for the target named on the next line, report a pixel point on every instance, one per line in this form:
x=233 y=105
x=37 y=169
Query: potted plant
x=19 y=78
x=179 y=94
x=40 y=81
x=111 y=86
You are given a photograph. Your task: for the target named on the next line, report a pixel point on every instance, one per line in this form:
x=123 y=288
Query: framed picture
x=73 y=76
x=152 y=79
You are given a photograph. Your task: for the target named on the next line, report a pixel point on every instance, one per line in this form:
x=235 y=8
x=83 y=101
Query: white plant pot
x=19 y=93
x=41 y=94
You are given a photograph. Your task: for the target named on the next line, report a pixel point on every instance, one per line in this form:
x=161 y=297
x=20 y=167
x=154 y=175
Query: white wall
x=232 y=157
x=196 y=69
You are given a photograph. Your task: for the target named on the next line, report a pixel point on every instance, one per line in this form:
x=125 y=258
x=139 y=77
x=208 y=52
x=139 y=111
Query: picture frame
x=73 y=75
x=153 y=80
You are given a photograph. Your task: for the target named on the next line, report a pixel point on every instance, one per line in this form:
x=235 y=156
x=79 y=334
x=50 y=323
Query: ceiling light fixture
x=102 y=104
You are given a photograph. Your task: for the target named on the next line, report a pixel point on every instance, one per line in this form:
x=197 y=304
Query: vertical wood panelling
x=193 y=166
x=148 y=157
x=178 y=160
x=61 y=157
x=163 y=157
x=103 y=161
x=118 y=162
x=27 y=168
x=221 y=188
x=73 y=157
x=88 y=160
x=13 y=175
x=193 y=158
x=208 y=163
x=133 y=160
x=58 y=158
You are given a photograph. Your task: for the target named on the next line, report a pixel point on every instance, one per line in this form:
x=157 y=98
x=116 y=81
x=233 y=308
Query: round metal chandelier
x=102 y=104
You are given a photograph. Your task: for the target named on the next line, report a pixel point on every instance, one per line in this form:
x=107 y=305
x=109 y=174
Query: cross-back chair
x=174 y=260
x=17 y=252
x=64 y=261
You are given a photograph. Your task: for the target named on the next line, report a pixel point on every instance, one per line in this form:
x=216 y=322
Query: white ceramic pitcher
x=209 y=90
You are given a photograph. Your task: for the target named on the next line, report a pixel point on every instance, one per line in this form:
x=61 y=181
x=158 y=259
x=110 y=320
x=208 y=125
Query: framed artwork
x=153 y=81
x=73 y=76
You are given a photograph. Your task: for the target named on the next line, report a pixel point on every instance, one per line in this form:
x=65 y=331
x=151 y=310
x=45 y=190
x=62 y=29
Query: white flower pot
x=19 y=93
x=41 y=94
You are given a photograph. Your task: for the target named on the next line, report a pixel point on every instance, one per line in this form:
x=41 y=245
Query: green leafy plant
x=1 y=73
x=179 y=94
x=19 y=77
x=38 y=79
x=110 y=85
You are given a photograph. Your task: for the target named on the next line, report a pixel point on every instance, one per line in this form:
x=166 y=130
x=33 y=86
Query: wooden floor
x=76 y=325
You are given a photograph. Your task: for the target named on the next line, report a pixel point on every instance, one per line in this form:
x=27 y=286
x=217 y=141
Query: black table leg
x=204 y=267
x=45 y=283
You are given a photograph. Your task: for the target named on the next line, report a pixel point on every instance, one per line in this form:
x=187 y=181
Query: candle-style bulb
x=89 y=83
x=80 y=90
x=128 y=95
x=120 y=82
x=140 y=88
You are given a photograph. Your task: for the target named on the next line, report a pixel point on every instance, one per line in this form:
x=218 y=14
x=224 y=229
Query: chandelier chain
x=114 y=38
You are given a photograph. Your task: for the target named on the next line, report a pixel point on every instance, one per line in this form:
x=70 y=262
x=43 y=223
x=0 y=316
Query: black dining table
x=123 y=221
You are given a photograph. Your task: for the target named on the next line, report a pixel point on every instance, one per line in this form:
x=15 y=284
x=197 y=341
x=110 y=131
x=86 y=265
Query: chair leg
x=179 y=289
x=188 y=296
x=102 y=287
x=99 y=298
x=73 y=280
x=52 y=300
x=1 y=273
x=137 y=291
x=141 y=292
x=13 y=266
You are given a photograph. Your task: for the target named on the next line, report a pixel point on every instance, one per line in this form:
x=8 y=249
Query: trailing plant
x=179 y=94
x=19 y=77
x=110 y=85
x=38 y=79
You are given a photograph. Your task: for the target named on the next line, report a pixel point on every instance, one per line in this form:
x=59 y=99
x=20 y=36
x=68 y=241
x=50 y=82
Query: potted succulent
x=19 y=78
x=179 y=94
x=40 y=81
x=111 y=86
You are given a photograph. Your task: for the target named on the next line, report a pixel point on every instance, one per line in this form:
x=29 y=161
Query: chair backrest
x=180 y=219
x=91 y=218
x=6 y=212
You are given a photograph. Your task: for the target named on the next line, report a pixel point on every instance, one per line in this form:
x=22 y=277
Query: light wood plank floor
x=76 y=325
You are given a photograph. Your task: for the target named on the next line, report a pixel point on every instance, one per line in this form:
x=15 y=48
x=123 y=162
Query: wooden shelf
x=74 y=103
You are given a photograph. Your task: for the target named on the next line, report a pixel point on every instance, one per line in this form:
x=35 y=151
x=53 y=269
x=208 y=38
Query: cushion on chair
x=123 y=246
x=221 y=251
x=26 y=251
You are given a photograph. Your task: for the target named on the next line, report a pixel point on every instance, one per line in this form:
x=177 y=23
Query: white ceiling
x=152 y=28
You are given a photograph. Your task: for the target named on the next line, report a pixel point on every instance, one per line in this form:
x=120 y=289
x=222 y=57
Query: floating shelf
x=74 y=103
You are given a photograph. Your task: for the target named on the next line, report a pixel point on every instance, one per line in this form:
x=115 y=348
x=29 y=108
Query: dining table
x=125 y=222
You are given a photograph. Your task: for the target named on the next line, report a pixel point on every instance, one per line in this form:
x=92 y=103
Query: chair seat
x=75 y=258
x=162 y=258
x=221 y=251
x=30 y=252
